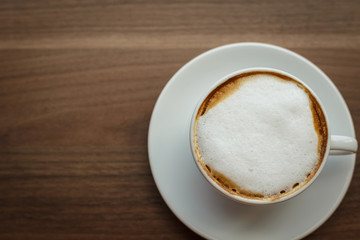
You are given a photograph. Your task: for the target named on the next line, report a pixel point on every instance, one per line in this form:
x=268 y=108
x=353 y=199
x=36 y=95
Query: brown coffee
x=260 y=135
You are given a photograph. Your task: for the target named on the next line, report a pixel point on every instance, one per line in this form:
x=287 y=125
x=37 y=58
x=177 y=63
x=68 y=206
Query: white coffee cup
x=345 y=144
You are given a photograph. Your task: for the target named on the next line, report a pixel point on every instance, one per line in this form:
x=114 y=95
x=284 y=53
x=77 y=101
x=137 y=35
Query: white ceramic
x=342 y=143
x=195 y=202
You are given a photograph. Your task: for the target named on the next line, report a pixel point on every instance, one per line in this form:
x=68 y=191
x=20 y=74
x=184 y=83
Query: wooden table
x=79 y=80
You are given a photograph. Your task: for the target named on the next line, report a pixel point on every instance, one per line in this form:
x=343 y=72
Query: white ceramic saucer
x=197 y=204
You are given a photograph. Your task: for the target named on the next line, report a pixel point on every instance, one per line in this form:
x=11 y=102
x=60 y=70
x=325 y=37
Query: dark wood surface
x=79 y=80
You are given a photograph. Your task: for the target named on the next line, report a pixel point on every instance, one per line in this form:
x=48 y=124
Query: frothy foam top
x=261 y=136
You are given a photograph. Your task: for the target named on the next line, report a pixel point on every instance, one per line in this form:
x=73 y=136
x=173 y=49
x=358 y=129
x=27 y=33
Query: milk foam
x=261 y=137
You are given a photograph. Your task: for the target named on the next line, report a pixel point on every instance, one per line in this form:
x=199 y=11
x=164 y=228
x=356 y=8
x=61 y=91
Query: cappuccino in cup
x=260 y=135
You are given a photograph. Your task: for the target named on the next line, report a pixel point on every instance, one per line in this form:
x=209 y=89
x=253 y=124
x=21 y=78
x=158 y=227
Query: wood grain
x=78 y=82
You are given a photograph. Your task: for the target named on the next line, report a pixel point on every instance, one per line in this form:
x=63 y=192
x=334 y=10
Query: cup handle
x=343 y=143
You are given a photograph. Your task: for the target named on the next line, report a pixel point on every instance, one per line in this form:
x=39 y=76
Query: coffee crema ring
x=223 y=93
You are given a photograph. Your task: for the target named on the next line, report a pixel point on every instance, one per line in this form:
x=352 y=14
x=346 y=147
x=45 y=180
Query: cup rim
x=238 y=198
